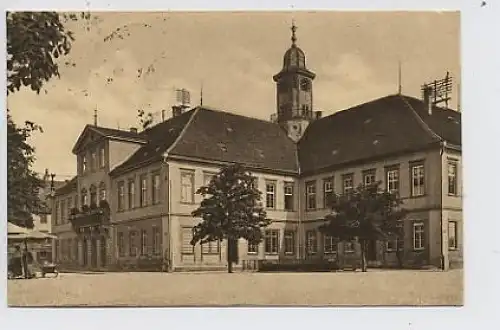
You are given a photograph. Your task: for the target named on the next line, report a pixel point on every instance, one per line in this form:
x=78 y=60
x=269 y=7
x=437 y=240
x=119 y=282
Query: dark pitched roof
x=221 y=136
x=391 y=124
x=159 y=138
x=387 y=125
x=66 y=187
x=446 y=123
x=110 y=133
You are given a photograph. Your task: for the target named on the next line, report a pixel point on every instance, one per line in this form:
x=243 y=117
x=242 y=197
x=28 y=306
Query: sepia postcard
x=234 y=159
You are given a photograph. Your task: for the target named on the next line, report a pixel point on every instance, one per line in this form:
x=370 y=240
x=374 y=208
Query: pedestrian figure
x=16 y=263
x=27 y=259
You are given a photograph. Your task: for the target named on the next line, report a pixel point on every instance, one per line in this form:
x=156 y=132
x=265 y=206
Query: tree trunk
x=363 y=256
x=229 y=257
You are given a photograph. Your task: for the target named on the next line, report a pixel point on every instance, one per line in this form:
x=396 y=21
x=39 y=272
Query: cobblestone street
x=191 y=289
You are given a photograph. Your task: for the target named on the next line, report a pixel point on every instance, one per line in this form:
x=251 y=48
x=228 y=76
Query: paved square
x=398 y=287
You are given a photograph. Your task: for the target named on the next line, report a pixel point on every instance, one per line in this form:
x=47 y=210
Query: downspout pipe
x=441 y=153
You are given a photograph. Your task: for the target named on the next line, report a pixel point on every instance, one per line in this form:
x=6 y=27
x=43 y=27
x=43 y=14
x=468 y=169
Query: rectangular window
x=84 y=163
x=417 y=179
x=56 y=213
x=187 y=187
x=210 y=247
x=328 y=192
x=69 y=206
x=63 y=211
x=144 y=242
x=156 y=189
x=349 y=247
x=102 y=160
x=395 y=244
x=121 y=244
x=207 y=177
x=312 y=242
x=270 y=195
x=329 y=244
x=347 y=183
x=288 y=189
x=418 y=236
x=93 y=160
x=156 y=241
x=187 y=236
x=452 y=178
x=43 y=218
x=131 y=194
x=272 y=241
x=143 y=201
x=121 y=195
x=452 y=235
x=392 y=180
x=369 y=177
x=252 y=248
x=311 y=195
x=132 y=244
x=289 y=242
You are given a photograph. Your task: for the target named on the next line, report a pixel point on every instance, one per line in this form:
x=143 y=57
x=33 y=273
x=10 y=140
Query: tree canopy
x=35 y=40
x=366 y=213
x=230 y=209
x=23 y=183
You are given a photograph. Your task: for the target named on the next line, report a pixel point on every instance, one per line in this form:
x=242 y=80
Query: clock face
x=305 y=84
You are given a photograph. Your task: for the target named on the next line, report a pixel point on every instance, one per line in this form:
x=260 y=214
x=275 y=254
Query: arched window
x=102 y=191
x=93 y=195
x=84 y=197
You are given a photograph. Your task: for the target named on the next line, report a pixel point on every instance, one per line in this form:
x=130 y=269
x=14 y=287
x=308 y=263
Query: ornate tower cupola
x=294 y=91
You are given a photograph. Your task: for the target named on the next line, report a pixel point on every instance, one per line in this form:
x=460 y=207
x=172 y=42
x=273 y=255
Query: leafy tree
x=366 y=213
x=230 y=209
x=23 y=183
x=35 y=40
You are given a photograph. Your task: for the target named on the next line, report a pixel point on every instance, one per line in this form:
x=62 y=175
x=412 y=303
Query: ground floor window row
x=273 y=244
x=142 y=242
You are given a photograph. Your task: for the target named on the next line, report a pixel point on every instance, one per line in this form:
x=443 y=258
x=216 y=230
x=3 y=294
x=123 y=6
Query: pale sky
x=234 y=55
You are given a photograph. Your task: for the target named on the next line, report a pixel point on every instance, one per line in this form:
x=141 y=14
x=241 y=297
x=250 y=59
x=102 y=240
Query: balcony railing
x=90 y=216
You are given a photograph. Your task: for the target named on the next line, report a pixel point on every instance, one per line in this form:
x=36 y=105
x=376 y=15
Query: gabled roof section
x=214 y=135
x=64 y=188
x=446 y=123
x=159 y=138
x=380 y=127
x=110 y=133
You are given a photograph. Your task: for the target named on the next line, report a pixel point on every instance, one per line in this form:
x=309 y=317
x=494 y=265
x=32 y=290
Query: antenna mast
x=399 y=78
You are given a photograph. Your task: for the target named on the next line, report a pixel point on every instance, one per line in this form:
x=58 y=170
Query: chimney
x=428 y=99
x=318 y=114
x=177 y=110
x=133 y=129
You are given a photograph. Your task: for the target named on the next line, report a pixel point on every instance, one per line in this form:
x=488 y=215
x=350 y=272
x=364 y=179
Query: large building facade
x=129 y=206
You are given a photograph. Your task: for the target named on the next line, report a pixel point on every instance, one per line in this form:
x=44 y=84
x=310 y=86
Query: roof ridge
x=234 y=114
x=420 y=120
x=183 y=131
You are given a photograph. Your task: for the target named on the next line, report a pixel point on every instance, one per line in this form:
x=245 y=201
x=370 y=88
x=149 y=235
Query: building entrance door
x=93 y=252
x=85 y=251
x=103 y=251
x=371 y=250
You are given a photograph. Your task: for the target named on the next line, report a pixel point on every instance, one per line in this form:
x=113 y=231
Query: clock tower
x=294 y=91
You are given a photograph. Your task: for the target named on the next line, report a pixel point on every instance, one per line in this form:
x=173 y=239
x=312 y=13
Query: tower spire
x=201 y=95
x=294 y=29
x=399 y=77
x=95 y=116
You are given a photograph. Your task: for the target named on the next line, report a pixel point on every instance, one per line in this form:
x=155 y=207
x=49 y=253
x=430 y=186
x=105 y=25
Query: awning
x=14 y=229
